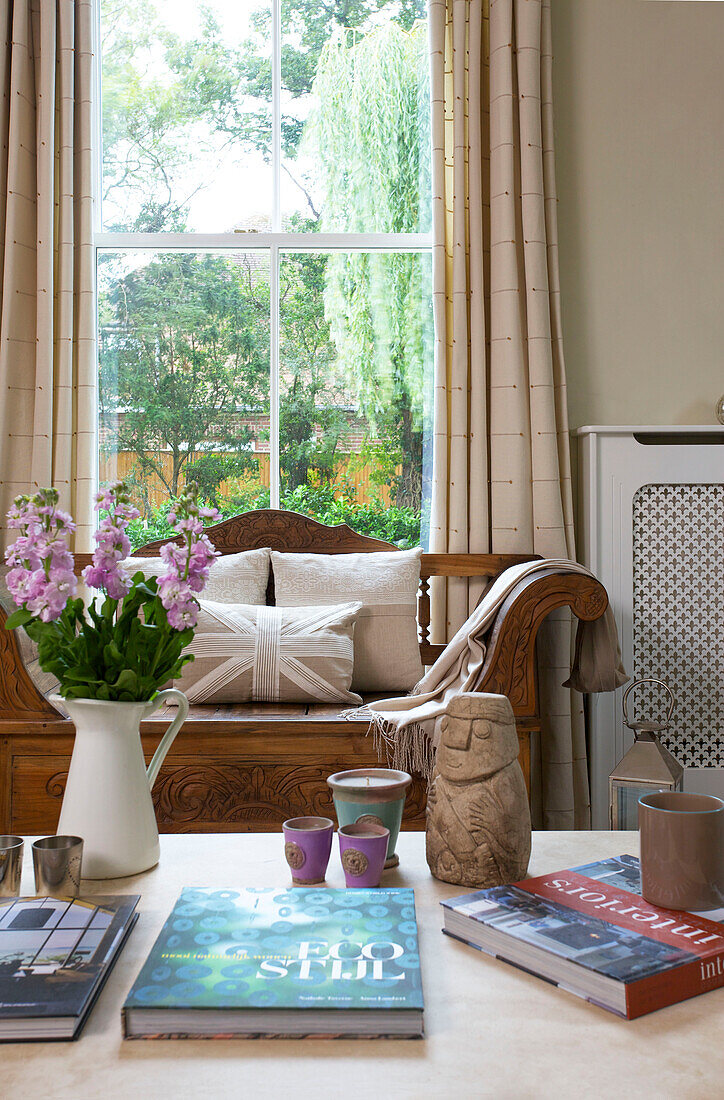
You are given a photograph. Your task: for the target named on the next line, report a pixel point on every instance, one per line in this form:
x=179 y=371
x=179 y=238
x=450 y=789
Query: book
x=55 y=956
x=588 y=930
x=296 y=963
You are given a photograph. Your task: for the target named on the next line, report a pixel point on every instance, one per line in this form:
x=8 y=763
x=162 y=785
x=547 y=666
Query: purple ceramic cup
x=307 y=844
x=363 y=850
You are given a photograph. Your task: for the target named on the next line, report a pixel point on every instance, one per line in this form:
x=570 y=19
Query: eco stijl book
x=281 y=962
x=55 y=955
x=588 y=930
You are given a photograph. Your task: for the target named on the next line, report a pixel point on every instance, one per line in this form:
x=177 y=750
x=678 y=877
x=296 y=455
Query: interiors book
x=55 y=955
x=589 y=931
x=281 y=962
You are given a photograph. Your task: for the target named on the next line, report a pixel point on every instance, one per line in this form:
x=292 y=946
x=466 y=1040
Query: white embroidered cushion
x=271 y=654
x=233 y=578
x=386 y=646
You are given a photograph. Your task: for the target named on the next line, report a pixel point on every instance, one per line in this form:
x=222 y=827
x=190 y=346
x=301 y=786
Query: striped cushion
x=271 y=654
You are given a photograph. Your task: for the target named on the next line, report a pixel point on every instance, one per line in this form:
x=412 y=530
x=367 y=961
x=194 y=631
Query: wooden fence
x=349 y=473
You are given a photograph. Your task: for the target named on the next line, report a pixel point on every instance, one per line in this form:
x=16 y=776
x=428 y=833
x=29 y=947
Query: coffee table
x=491 y=1030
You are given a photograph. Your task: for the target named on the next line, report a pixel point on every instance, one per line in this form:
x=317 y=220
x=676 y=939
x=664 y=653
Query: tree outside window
x=264 y=263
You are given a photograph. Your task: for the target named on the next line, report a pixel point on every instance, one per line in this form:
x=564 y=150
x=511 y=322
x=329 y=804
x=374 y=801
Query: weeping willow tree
x=371 y=140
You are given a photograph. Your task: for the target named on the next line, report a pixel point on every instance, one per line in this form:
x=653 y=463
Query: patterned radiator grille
x=678 y=614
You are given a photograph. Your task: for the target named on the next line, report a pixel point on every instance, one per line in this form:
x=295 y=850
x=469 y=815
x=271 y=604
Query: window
x=264 y=257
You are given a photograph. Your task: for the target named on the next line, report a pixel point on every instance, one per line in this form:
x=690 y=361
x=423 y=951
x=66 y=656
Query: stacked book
x=55 y=955
x=588 y=930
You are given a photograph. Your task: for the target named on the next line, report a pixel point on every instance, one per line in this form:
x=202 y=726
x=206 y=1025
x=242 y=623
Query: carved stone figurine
x=478 y=820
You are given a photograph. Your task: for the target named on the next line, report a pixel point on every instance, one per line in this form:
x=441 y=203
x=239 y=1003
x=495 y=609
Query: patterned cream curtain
x=47 y=365
x=501 y=464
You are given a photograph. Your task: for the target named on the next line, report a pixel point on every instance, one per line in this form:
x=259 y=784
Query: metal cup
x=11 y=865
x=57 y=864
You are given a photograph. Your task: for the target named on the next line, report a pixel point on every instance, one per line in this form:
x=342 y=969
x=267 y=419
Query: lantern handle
x=647 y=680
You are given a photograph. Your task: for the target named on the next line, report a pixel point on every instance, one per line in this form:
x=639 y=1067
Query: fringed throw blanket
x=406 y=725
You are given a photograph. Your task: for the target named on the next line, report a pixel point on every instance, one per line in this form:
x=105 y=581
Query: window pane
x=355 y=389
x=355 y=116
x=184 y=378
x=186 y=109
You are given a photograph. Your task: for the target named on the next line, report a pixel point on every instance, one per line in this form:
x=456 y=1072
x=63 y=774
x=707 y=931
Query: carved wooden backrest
x=282 y=531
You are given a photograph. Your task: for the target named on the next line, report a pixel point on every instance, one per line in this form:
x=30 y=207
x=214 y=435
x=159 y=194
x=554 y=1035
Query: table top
x=491 y=1030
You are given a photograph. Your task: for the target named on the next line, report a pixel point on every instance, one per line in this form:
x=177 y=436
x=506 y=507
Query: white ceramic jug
x=107 y=797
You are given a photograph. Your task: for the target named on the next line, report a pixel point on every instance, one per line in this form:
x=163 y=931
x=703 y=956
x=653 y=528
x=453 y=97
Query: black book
x=55 y=955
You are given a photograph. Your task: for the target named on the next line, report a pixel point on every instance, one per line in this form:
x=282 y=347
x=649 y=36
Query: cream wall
x=639 y=111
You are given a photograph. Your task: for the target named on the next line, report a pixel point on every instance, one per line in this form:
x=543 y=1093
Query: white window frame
x=276 y=242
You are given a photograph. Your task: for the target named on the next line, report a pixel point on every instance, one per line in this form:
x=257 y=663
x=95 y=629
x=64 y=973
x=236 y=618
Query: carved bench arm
x=19 y=697
x=510 y=662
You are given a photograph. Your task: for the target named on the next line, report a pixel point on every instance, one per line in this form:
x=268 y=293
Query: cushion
x=271 y=654
x=233 y=578
x=386 y=646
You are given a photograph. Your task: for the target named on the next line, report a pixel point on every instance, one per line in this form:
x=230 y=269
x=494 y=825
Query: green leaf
x=18 y=618
x=112 y=654
x=84 y=674
x=126 y=682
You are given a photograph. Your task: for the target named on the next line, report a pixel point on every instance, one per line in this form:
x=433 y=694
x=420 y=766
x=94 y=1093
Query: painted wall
x=639 y=110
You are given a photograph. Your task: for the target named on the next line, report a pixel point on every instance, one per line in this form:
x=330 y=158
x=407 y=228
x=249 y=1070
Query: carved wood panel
x=203 y=796
x=282 y=531
x=253 y=797
x=18 y=693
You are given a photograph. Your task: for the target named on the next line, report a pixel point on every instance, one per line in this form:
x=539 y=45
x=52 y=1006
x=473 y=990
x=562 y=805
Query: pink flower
x=210 y=513
x=24 y=552
x=172 y=590
x=187 y=565
x=41 y=577
x=197 y=579
x=21 y=585
x=93 y=576
x=181 y=616
x=112 y=542
x=49 y=596
x=117 y=584
x=174 y=556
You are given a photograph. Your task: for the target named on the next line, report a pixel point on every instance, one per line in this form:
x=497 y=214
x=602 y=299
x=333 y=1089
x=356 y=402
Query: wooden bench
x=250 y=766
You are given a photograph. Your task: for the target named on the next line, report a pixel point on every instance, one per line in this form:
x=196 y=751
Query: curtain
x=501 y=463
x=47 y=365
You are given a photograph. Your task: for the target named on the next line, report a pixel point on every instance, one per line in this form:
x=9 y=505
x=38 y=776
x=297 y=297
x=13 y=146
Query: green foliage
x=392 y=524
x=183 y=345
x=125 y=658
x=372 y=92
x=399 y=525
x=209 y=470
x=185 y=339
x=366 y=132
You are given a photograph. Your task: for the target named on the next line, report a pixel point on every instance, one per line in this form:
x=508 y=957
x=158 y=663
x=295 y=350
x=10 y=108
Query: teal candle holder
x=371 y=795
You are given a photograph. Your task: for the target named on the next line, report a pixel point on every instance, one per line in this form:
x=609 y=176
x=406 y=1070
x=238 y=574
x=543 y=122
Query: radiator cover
x=678 y=615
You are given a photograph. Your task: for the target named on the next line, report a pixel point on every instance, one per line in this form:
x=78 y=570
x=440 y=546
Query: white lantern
x=646 y=767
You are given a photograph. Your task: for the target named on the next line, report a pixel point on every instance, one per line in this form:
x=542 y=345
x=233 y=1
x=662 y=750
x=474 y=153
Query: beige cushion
x=271 y=654
x=386 y=646
x=233 y=578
